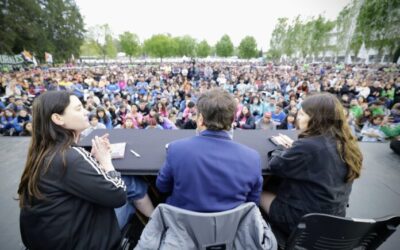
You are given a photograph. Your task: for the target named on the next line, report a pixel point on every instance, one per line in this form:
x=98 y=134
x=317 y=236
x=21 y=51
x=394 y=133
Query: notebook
x=118 y=150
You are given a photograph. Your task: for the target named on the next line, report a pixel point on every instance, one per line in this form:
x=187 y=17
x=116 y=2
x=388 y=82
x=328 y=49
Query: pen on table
x=135 y=153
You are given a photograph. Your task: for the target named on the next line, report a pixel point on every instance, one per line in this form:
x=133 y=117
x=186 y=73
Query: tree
x=203 y=49
x=273 y=54
x=20 y=26
x=224 y=46
x=277 y=39
x=110 y=47
x=370 y=22
x=378 y=22
x=342 y=30
x=305 y=38
x=320 y=35
x=90 y=48
x=289 y=45
x=159 y=46
x=101 y=35
x=248 y=48
x=64 y=27
x=40 y=26
x=185 y=46
x=130 y=44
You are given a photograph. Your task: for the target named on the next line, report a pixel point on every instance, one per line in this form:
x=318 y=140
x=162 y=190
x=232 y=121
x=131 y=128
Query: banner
x=11 y=60
x=27 y=56
x=48 y=57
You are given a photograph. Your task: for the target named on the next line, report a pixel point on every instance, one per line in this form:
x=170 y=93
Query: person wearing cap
x=266 y=122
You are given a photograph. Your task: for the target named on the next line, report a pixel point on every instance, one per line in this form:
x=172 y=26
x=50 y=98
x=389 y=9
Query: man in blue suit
x=210 y=172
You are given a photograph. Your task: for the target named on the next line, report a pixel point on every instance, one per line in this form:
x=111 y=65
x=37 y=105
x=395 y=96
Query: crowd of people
x=312 y=174
x=163 y=96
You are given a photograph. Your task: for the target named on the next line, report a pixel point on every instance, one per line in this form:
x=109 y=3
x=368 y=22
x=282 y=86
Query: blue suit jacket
x=210 y=173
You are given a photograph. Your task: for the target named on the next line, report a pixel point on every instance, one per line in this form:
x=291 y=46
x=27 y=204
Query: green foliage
x=248 y=48
x=304 y=38
x=378 y=22
x=203 y=49
x=320 y=34
x=100 y=37
x=213 y=51
x=224 y=46
x=372 y=22
x=289 y=46
x=160 y=46
x=40 y=26
x=17 y=31
x=90 y=48
x=130 y=44
x=273 y=54
x=279 y=35
x=185 y=46
x=110 y=47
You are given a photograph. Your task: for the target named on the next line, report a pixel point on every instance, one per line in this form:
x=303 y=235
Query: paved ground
x=375 y=194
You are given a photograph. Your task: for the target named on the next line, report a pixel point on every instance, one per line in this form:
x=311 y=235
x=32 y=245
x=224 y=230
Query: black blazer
x=313 y=176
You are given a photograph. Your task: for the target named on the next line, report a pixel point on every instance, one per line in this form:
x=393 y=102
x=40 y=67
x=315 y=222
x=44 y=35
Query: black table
x=150 y=144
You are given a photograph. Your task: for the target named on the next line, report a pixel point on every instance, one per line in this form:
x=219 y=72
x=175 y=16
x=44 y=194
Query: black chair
x=325 y=232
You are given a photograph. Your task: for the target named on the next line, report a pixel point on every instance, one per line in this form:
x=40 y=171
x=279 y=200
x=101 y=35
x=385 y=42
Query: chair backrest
x=322 y=231
x=209 y=231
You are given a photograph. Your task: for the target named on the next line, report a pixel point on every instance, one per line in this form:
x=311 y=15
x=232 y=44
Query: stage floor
x=375 y=194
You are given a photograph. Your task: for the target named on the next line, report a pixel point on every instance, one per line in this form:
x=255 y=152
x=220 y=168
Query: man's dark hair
x=217 y=108
x=191 y=104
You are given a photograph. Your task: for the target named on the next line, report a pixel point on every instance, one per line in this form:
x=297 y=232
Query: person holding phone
x=317 y=171
x=66 y=195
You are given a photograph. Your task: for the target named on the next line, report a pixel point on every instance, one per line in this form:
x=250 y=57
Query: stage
x=375 y=194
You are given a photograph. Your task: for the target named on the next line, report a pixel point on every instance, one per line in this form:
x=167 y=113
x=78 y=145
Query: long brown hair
x=327 y=118
x=47 y=139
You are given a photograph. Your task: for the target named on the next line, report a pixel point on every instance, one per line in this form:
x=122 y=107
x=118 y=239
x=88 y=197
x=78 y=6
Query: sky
x=203 y=19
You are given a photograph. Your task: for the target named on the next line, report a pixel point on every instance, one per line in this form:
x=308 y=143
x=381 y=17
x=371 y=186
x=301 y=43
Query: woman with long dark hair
x=67 y=197
x=104 y=117
x=318 y=169
x=289 y=123
x=162 y=109
x=246 y=120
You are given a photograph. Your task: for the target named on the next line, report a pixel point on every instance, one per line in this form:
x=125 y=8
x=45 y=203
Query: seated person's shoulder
x=74 y=153
x=179 y=144
x=69 y=157
x=309 y=144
